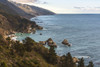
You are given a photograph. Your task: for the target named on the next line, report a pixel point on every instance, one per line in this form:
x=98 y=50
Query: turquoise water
x=81 y=30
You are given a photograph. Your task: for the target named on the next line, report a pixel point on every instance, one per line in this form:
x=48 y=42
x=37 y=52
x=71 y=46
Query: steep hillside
x=25 y=11
x=14 y=23
x=15 y=9
x=33 y=10
x=10 y=22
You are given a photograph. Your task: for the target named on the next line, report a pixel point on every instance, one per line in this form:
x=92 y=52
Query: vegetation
x=11 y=22
x=32 y=54
x=90 y=64
x=81 y=63
x=52 y=57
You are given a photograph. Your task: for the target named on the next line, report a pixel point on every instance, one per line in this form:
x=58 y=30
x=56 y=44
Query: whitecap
x=83 y=57
x=14 y=38
x=44 y=29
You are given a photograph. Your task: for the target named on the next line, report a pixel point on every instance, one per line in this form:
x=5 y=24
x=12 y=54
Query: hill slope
x=11 y=22
x=15 y=9
x=23 y=11
x=33 y=10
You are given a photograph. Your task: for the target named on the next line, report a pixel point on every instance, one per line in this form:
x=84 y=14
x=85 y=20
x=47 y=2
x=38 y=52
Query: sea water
x=81 y=30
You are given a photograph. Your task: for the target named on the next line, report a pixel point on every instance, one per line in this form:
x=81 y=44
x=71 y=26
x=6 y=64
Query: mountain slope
x=15 y=9
x=23 y=11
x=33 y=10
x=11 y=22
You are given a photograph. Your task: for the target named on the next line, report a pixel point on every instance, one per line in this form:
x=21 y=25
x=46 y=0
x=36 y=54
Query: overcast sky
x=68 y=6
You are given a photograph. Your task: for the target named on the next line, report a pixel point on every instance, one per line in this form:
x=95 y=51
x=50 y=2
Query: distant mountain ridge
x=33 y=10
x=14 y=9
x=22 y=10
x=24 y=1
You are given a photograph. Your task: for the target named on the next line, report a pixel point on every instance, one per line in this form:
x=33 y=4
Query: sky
x=67 y=6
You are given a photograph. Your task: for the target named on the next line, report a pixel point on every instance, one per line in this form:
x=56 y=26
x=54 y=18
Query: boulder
x=40 y=33
x=33 y=30
x=65 y=42
x=42 y=42
x=39 y=27
x=75 y=60
x=53 y=44
x=50 y=42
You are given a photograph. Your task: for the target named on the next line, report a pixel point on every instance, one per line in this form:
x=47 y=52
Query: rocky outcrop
x=75 y=60
x=50 y=42
x=13 y=23
x=39 y=27
x=65 y=42
x=42 y=42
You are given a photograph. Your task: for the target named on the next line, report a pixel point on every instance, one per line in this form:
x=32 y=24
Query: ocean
x=81 y=30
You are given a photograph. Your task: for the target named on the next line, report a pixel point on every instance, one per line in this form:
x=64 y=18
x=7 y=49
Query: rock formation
x=42 y=42
x=75 y=60
x=65 y=42
x=50 y=42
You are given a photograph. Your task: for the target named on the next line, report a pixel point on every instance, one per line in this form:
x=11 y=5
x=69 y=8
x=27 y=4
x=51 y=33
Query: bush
x=28 y=43
x=3 y=64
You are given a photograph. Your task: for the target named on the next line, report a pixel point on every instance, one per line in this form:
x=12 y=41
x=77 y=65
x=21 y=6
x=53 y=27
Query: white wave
x=14 y=38
x=44 y=29
x=83 y=57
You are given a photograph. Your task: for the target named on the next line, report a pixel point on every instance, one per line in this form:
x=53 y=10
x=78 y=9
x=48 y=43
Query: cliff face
x=10 y=22
x=11 y=17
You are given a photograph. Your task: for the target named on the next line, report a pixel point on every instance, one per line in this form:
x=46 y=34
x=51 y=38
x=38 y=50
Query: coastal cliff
x=12 y=22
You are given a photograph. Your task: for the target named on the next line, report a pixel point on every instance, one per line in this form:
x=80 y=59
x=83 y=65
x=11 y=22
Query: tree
x=70 y=61
x=52 y=57
x=67 y=61
x=28 y=43
x=19 y=47
x=9 y=40
x=90 y=64
x=81 y=63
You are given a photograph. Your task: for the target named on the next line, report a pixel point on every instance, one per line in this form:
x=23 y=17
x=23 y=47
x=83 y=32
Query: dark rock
x=42 y=42
x=40 y=33
x=50 y=42
x=39 y=27
x=75 y=60
x=65 y=42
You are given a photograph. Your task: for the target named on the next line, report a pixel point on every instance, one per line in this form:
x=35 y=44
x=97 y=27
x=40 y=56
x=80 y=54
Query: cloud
x=87 y=9
x=78 y=7
x=97 y=7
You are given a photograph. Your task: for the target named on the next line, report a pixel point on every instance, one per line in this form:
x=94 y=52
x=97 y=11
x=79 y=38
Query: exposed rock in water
x=39 y=27
x=65 y=42
x=50 y=42
x=42 y=42
x=40 y=33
